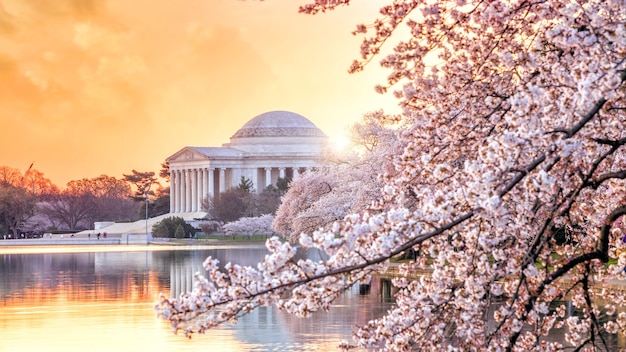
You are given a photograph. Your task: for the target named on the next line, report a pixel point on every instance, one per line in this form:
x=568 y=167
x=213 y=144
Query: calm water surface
x=101 y=299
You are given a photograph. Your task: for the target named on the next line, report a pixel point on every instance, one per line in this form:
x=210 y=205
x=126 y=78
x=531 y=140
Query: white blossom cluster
x=510 y=187
x=250 y=226
x=348 y=182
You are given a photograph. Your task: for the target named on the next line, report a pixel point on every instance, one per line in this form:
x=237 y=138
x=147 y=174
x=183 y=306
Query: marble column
x=211 y=191
x=295 y=173
x=205 y=186
x=175 y=192
x=281 y=172
x=180 y=191
x=187 y=191
x=255 y=179
x=172 y=194
x=194 y=189
x=268 y=176
x=222 y=180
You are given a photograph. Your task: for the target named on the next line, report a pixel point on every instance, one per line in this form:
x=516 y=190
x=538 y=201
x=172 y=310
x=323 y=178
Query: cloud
x=75 y=9
x=16 y=86
x=104 y=87
x=84 y=85
x=6 y=21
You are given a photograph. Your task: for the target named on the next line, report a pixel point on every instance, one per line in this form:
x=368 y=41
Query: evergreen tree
x=168 y=227
x=246 y=185
x=180 y=232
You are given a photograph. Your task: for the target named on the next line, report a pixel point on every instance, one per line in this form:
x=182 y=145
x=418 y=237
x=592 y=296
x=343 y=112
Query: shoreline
x=16 y=246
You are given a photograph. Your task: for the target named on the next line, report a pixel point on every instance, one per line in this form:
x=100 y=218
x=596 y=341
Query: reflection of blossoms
x=509 y=187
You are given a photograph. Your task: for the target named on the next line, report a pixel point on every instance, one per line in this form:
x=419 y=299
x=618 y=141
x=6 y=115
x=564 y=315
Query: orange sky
x=91 y=87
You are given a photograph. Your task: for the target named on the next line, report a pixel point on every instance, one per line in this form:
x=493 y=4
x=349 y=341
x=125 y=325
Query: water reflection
x=99 y=301
x=102 y=301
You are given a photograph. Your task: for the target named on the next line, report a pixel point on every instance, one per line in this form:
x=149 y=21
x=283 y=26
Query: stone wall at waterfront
x=67 y=240
x=59 y=241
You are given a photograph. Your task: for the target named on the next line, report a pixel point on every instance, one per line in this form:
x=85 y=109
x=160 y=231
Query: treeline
x=30 y=204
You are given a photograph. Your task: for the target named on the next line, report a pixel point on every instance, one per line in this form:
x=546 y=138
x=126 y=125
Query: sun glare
x=339 y=143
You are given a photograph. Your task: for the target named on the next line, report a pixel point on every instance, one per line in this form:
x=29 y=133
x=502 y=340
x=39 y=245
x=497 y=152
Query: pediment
x=186 y=154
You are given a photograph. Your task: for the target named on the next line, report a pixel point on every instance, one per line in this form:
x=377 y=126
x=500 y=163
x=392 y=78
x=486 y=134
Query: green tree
x=246 y=185
x=283 y=184
x=161 y=203
x=168 y=228
x=142 y=181
x=164 y=173
x=180 y=232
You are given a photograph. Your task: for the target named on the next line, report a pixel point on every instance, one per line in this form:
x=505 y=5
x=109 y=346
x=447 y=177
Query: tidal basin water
x=101 y=299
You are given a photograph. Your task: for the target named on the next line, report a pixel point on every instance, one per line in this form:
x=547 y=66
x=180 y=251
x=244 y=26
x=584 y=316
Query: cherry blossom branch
x=592 y=314
x=601 y=254
x=322 y=6
x=587 y=179
x=506 y=73
x=407 y=245
x=607 y=176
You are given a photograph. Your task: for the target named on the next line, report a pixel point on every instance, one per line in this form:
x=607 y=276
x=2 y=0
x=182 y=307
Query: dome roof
x=279 y=124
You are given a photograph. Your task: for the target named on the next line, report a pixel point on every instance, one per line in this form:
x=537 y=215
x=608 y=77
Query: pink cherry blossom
x=506 y=176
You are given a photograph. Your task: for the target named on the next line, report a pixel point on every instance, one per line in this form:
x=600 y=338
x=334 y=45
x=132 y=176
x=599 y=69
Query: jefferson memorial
x=271 y=145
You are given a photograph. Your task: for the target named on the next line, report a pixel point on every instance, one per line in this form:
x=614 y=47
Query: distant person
x=98 y=235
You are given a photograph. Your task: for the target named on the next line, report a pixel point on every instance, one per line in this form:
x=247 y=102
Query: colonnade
x=189 y=187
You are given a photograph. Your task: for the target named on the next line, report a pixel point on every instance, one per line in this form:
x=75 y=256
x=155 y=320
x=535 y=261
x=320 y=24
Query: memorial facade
x=271 y=145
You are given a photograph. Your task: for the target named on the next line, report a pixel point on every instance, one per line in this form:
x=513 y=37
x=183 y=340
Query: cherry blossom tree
x=250 y=226
x=346 y=183
x=517 y=115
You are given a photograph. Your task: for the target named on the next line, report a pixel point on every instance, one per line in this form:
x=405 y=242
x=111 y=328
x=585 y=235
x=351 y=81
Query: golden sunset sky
x=92 y=87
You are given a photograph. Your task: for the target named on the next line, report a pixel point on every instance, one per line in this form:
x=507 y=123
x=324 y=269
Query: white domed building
x=271 y=145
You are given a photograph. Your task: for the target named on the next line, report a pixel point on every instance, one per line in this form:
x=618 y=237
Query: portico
x=277 y=144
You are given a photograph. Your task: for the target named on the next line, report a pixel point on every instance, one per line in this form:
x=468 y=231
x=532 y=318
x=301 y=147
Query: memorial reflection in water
x=102 y=300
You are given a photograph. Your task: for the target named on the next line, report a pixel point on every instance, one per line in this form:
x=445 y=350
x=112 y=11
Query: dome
x=279 y=124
